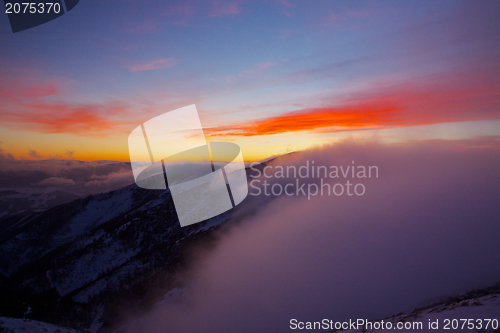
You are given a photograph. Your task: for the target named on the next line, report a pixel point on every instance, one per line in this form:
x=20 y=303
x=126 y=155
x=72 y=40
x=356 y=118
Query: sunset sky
x=273 y=76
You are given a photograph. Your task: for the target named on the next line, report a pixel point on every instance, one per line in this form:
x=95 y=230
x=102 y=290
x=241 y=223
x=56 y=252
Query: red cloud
x=398 y=107
x=154 y=64
x=23 y=106
x=314 y=119
x=17 y=89
x=62 y=117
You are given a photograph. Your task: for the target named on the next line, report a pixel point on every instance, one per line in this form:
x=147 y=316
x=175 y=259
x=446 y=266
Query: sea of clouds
x=426 y=228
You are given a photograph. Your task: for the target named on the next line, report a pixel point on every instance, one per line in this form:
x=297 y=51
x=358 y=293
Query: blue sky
x=107 y=66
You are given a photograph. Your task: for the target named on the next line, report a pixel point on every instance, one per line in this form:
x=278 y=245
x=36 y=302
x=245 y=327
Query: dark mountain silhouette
x=94 y=258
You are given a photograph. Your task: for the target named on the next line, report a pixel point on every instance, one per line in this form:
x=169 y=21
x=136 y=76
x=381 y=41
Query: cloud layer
x=77 y=177
x=154 y=64
x=426 y=228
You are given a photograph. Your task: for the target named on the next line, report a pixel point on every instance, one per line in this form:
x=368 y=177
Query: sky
x=273 y=76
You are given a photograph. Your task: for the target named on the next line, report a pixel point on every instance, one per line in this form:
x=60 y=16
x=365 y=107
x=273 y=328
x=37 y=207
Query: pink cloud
x=286 y=3
x=345 y=18
x=183 y=14
x=15 y=88
x=222 y=8
x=181 y=9
x=146 y=26
x=263 y=65
x=256 y=68
x=287 y=33
x=154 y=64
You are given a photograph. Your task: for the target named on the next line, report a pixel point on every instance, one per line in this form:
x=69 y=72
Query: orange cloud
x=63 y=118
x=313 y=119
x=31 y=104
x=154 y=64
x=24 y=106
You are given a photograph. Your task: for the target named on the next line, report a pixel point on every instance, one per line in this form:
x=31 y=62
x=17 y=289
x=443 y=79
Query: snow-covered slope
x=68 y=262
x=474 y=312
x=80 y=263
x=27 y=199
x=12 y=325
x=36 y=235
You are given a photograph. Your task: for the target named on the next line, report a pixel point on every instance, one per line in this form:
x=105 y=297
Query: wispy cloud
x=83 y=177
x=34 y=154
x=5 y=156
x=146 y=26
x=346 y=18
x=223 y=8
x=258 y=67
x=24 y=106
x=17 y=88
x=70 y=154
x=57 y=181
x=60 y=117
x=154 y=64
x=287 y=33
x=179 y=9
x=32 y=104
x=181 y=14
x=188 y=13
x=285 y=3
x=263 y=65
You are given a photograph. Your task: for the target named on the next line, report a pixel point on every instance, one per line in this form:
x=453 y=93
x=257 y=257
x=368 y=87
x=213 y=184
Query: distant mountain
x=28 y=186
x=14 y=202
x=475 y=311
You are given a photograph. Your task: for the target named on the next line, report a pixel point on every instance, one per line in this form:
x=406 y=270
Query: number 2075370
x=454 y=324
x=32 y=7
